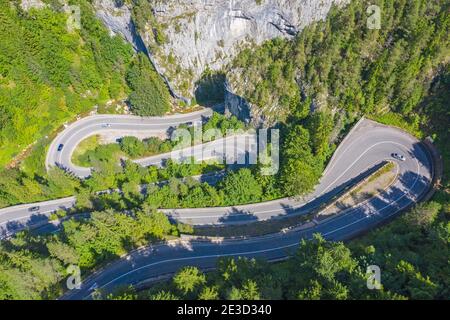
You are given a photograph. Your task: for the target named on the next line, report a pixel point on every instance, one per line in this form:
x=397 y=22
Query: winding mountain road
x=119 y=125
x=364 y=148
x=367 y=145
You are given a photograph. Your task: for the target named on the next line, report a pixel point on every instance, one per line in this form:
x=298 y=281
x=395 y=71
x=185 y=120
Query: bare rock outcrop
x=202 y=35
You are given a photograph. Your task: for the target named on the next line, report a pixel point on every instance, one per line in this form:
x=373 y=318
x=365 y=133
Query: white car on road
x=398 y=156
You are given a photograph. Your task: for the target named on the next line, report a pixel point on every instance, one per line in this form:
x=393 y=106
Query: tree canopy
x=149 y=96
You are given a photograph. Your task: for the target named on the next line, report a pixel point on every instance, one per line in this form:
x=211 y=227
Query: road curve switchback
x=62 y=147
x=365 y=146
x=368 y=144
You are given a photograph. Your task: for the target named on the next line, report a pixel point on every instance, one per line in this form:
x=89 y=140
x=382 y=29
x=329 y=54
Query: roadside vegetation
x=365 y=189
x=49 y=75
x=90 y=152
x=34 y=267
x=87 y=145
x=398 y=75
x=412 y=265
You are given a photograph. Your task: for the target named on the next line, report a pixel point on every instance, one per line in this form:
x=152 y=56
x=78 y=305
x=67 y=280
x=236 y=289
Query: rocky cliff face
x=117 y=18
x=207 y=34
x=204 y=35
x=28 y=4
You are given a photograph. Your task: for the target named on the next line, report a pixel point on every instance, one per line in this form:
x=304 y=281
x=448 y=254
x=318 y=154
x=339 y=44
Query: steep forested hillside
x=336 y=68
x=341 y=65
x=35 y=267
x=49 y=73
x=341 y=69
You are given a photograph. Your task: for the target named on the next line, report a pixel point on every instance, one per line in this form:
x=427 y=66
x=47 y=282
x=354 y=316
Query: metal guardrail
x=437 y=164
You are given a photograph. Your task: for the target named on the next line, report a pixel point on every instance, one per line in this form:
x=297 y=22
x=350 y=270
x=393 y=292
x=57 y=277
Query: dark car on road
x=60 y=147
x=32 y=209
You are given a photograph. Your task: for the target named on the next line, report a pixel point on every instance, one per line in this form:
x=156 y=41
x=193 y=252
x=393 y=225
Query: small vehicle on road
x=106 y=125
x=93 y=287
x=33 y=209
x=60 y=147
x=398 y=156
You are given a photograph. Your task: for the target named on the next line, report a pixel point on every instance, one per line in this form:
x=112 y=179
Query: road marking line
x=281 y=247
x=27 y=216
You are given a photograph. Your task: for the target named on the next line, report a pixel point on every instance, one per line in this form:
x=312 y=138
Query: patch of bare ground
x=363 y=191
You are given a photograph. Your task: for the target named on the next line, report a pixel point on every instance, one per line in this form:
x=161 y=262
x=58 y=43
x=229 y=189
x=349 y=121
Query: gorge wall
x=202 y=35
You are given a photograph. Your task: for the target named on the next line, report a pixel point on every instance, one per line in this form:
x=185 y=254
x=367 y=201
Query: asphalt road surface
x=365 y=147
x=89 y=126
x=156 y=261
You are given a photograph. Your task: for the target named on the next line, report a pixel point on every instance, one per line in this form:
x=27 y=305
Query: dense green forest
x=34 y=267
x=49 y=74
x=340 y=64
x=412 y=265
x=341 y=69
x=337 y=67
